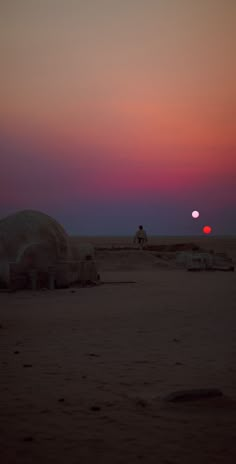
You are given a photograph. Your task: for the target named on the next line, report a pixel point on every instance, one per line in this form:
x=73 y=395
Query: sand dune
x=84 y=371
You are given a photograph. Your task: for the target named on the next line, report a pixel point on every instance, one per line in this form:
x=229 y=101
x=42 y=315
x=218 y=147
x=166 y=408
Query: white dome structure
x=19 y=230
x=35 y=251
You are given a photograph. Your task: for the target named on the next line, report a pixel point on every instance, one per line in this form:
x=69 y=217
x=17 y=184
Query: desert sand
x=85 y=371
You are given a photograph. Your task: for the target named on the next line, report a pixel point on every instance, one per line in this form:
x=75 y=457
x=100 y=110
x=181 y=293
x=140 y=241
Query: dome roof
x=31 y=226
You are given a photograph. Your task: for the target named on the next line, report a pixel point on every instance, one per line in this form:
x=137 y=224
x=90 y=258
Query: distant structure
x=204 y=261
x=35 y=252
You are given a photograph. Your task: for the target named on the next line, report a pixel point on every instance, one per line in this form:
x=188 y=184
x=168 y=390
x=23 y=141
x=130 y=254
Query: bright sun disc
x=207 y=229
x=195 y=214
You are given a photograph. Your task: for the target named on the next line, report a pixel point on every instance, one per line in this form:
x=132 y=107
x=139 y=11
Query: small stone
x=61 y=400
x=193 y=395
x=28 y=438
x=95 y=408
x=16 y=352
x=141 y=402
x=27 y=365
x=176 y=340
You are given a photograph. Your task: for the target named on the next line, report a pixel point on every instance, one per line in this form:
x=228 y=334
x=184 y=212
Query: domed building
x=35 y=252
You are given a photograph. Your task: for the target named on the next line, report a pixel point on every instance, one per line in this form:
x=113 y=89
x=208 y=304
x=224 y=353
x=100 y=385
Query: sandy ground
x=84 y=372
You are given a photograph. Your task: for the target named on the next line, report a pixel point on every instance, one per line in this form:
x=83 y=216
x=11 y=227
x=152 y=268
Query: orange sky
x=119 y=82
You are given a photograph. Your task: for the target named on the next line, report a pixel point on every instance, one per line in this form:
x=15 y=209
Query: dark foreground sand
x=84 y=372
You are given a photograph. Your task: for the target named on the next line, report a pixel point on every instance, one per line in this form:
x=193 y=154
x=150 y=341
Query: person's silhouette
x=140 y=237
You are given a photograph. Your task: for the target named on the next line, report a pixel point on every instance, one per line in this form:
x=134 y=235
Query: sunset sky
x=116 y=113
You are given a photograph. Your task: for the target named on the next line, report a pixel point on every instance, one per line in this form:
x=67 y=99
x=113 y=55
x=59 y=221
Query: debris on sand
x=29 y=439
x=95 y=408
x=193 y=394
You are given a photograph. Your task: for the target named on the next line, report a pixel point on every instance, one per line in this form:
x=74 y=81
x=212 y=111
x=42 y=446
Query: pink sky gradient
x=121 y=104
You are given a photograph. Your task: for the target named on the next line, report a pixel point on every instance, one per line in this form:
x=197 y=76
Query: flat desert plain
x=85 y=372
